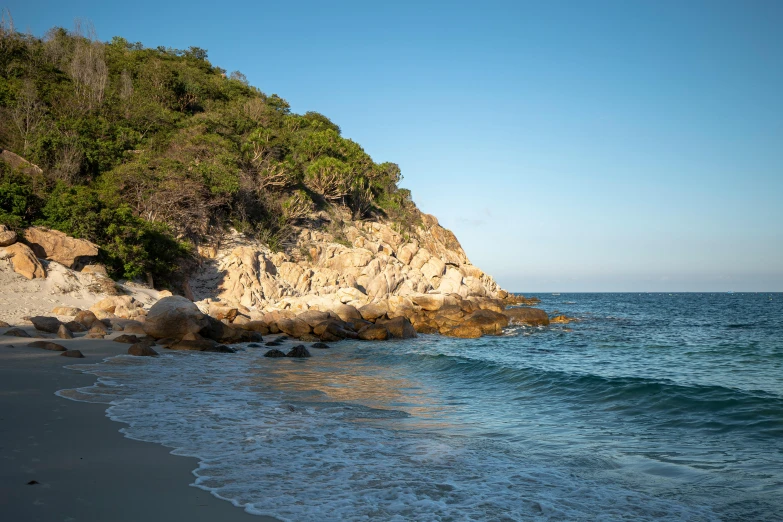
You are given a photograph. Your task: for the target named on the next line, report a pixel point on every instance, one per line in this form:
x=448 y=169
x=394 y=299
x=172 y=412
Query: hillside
x=188 y=177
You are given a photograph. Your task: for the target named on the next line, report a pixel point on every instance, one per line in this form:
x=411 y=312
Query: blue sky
x=571 y=146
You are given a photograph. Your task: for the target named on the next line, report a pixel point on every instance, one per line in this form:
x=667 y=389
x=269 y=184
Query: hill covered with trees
x=145 y=151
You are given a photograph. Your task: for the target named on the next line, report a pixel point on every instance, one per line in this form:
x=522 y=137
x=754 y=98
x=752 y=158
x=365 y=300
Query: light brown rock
x=174 y=317
x=64 y=333
x=7 y=236
x=296 y=327
x=69 y=311
x=464 y=331
x=374 y=332
x=374 y=311
x=57 y=246
x=23 y=261
x=399 y=328
x=525 y=315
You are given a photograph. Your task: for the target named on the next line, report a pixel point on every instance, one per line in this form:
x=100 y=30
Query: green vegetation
x=146 y=151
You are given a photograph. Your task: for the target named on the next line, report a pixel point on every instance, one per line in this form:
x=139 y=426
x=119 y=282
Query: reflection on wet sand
x=341 y=376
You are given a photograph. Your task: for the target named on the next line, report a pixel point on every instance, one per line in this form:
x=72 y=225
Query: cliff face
x=370 y=262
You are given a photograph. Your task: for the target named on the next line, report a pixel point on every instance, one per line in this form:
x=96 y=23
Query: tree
x=28 y=112
x=329 y=177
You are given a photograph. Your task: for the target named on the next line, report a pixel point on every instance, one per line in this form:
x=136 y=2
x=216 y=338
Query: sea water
x=651 y=406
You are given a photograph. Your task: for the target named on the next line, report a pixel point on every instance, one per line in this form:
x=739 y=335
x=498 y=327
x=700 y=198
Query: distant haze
x=583 y=146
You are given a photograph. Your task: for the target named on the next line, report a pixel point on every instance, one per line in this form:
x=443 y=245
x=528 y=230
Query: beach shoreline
x=85 y=468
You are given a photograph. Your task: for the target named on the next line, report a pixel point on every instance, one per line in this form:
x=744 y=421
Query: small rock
x=3 y=324
x=299 y=351
x=46 y=345
x=85 y=318
x=73 y=353
x=125 y=338
x=17 y=332
x=94 y=335
x=320 y=346
x=274 y=353
x=64 y=333
x=33 y=483
x=254 y=345
x=561 y=319
x=142 y=350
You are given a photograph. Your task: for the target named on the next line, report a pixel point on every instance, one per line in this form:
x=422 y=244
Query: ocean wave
x=289 y=455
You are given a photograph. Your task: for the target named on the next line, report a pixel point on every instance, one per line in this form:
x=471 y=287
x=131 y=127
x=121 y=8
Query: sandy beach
x=85 y=469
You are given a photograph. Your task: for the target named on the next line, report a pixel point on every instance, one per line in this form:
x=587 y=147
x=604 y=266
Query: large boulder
x=56 y=246
x=46 y=324
x=76 y=354
x=299 y=352
x=488 y=321
x=175 y=317
x=313 y=317
x=399 y=328
x=374 y=311
x=85 y=318
x=7 y=236
x=464 y=331
x=526 y=315
x=374 y=332
x=64 y=333
x=346 y=312
x=294 y=327
x=429 y=302
x=23 y=261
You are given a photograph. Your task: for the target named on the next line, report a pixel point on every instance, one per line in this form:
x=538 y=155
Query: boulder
x=561 y=319
x=74 y=326
x=16 y=332
x=69 y=311
x=46 y=324
x=3 y=324
x=346 y=312
x=46 y=345
x=128 y=339
x=429 y=302
x=374 y=311
x=142 y=350
x=174 y=317
x=299 y=352
x=464 y=331
x=488 y=321
x=194 y=345
x=7 y=236
x=221 y=312
x=274 y=353
x=23 y=261
x=56 y=246
x=374 y=332
x=133 y=327
x=85 y=318
x=399 y=328
x=98 y=328
x=294 y=327
x=313 y=317
x=94 y=335
x=320 y=346
x=77 y=354
x=64 y=333
x=257 y=326
x=526 y=315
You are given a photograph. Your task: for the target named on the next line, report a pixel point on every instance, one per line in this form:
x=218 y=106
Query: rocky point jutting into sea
x=373 y=284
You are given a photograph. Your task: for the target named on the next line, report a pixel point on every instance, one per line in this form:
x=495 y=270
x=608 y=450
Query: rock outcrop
x=7 y=236
x=23 y=261
x=57 y=246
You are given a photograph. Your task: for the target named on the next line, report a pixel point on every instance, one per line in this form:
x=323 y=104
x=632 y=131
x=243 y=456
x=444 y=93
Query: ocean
x=650 y=406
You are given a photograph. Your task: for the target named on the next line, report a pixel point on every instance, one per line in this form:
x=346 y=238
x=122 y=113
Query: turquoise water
x=651 y=406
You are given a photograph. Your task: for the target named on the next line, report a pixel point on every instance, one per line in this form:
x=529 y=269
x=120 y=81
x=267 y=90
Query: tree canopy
x=147 y=150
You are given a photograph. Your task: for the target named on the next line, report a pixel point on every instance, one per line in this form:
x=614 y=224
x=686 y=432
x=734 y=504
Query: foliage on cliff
x=145 y=150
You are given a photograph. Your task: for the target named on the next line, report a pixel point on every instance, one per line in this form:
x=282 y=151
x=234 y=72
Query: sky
x=571 y=146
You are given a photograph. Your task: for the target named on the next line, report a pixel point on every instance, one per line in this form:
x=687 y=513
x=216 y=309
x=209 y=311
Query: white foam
x=300 y=456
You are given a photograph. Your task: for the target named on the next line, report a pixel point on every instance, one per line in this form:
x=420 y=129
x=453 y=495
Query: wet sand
x=85 y=469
